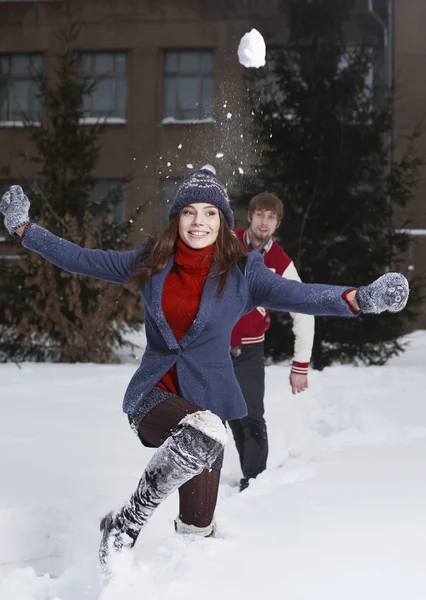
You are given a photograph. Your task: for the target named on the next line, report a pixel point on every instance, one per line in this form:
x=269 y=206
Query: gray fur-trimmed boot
x=193 y=446
x=186 y=529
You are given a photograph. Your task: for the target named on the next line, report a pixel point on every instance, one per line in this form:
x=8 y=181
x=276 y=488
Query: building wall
x=143 y=146
x=410 y=113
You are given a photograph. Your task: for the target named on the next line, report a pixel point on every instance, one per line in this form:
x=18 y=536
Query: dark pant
x=198 y=496
x=250 y=433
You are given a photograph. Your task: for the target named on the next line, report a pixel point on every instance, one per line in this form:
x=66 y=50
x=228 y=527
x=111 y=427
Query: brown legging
x=198 y=496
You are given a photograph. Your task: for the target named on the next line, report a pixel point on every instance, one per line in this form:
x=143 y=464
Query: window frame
x=112 y=184
x=30 y=115
x=201 y=113
x=93 y=76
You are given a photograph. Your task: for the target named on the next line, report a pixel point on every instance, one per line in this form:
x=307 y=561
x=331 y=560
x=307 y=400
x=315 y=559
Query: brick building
x=173 y=93
x=171 y=77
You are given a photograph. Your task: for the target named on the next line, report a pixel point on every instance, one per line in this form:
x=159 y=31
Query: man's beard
x=260 y=236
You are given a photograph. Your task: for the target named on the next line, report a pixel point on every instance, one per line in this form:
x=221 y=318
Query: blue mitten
x=14 y=205
x=389 y=292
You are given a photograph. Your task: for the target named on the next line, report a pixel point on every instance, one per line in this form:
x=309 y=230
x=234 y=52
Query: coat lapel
x=207 y=304
x=157 y=285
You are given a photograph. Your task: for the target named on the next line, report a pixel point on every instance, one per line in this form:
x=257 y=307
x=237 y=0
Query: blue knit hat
x=202 y=186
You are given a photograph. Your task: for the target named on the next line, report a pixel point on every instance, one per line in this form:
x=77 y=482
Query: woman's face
x=199 y=225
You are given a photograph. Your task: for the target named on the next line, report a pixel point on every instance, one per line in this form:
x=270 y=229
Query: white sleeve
x=303 y=325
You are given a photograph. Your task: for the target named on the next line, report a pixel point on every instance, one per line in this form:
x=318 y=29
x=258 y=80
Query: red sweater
x=181 y=297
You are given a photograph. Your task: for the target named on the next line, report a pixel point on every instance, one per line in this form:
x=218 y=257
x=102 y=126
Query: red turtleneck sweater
x=181 y=297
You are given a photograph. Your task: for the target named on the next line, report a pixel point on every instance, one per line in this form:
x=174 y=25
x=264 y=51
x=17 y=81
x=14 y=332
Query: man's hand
x=299 y=383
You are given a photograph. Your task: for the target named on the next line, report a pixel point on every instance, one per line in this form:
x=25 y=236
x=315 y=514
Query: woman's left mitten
x=389 y=292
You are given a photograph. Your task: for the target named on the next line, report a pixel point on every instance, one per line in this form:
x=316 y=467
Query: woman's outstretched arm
x=108 y=265
x=389 y=292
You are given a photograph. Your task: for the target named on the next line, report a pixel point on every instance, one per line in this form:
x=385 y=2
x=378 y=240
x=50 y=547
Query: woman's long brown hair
x=154 y=258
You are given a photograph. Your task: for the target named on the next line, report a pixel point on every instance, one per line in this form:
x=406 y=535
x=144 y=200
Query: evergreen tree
x=324 y=134
x=47 y=313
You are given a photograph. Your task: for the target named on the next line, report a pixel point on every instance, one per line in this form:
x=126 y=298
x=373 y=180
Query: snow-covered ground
x=340 y=513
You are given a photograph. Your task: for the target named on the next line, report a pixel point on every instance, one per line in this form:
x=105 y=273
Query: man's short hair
x=266 y=201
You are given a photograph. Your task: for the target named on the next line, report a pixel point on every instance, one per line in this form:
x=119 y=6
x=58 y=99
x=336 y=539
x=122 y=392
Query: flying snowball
x=252 y=50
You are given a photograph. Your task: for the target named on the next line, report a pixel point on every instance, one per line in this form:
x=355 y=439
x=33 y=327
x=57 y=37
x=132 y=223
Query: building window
x=20 y=99
x=111 y=192
x=188 y=86
x=168 y=189
x=107 y=78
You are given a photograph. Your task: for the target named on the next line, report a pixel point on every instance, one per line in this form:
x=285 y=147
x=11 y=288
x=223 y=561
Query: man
x=265 y=213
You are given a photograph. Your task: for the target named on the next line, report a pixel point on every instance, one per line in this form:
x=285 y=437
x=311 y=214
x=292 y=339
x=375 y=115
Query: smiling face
x=263 y=224
x=199 y=225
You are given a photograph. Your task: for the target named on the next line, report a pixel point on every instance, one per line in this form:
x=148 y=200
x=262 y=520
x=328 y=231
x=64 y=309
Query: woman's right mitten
x=14 y=205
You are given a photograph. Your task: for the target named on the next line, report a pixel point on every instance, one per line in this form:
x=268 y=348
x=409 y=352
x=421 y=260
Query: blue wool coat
x=203 y=362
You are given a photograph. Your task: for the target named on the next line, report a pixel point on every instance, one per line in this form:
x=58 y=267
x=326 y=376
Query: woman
x=194 y=290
